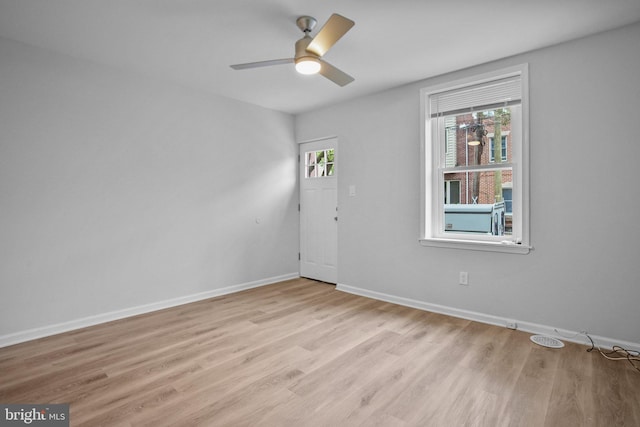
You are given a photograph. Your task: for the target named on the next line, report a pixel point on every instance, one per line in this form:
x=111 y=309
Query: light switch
x=352 y=190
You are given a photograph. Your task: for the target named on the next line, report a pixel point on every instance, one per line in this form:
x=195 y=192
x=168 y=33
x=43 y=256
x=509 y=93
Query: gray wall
x=585 y=196
x=117 y=191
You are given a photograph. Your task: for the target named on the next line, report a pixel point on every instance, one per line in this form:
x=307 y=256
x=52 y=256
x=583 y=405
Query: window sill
x=474 y=245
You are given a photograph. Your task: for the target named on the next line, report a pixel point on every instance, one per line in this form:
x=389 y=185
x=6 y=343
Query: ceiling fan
x=309 y=51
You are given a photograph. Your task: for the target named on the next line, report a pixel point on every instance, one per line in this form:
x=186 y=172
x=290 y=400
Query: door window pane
x=320 y=163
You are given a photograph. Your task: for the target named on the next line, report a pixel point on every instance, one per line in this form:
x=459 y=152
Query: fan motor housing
x=301 y=47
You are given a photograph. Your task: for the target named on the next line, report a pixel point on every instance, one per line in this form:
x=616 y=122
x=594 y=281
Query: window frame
x=431 y=201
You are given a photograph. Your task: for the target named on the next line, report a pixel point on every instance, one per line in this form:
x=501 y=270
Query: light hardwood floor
x=300 y=353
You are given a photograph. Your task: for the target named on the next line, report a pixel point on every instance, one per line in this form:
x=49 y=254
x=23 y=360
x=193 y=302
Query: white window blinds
x=479 y=97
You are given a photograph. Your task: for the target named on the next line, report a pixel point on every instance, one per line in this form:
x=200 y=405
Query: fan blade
x=336 y=27
x=262 y=63
x=335 y=75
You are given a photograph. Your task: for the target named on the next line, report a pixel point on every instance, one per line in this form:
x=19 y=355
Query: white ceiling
x=394 y=42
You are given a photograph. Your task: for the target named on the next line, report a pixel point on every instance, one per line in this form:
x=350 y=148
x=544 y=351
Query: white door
x=319 y=210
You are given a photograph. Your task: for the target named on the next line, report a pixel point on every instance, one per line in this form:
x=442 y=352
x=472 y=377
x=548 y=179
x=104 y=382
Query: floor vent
x=547 y=341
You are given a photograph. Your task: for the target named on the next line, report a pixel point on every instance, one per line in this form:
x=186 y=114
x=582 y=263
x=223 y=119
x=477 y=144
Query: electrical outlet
x=464 y=278
x=511 y=324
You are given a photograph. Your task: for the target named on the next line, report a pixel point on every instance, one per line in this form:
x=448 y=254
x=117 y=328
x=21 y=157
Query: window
x=508 y=200
x=475 y=191
x=502 y=150
x=319 y=163
x=452 y=191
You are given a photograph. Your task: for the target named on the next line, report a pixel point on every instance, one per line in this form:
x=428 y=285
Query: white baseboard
x=45 y=331
x=533 y=328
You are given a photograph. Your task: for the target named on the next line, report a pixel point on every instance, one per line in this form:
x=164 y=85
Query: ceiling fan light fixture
x=307 y=65
x=310 y=50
